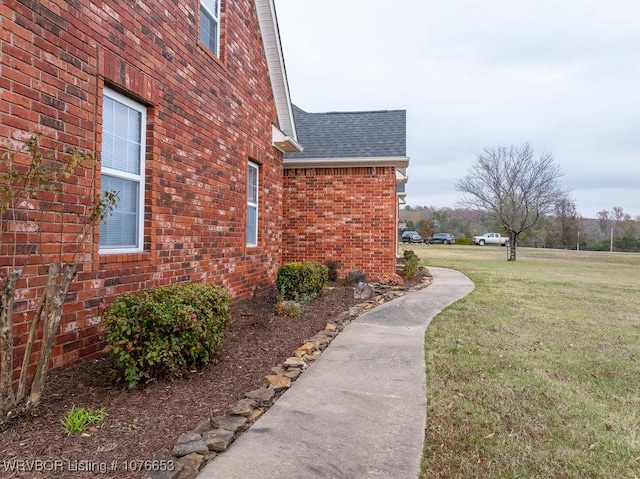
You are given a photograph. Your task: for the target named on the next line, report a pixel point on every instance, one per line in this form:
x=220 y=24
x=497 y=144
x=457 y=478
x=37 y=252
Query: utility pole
x=611 y=247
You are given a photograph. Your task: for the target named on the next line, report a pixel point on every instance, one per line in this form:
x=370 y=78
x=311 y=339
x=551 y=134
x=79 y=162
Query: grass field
x=535 y=374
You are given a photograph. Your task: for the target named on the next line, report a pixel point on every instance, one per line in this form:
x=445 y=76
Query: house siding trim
x=275 y=61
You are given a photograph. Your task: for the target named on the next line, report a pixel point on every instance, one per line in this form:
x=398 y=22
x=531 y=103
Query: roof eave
x=283 y=142
x=275 y=61
x=401 y=177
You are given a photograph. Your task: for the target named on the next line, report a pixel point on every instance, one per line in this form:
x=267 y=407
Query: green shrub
x=410 y=261
x=165 y=332
x=333 y=267
x=354 y=277
x=301 y=281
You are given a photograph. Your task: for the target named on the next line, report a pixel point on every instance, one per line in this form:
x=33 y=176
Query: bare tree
x=30 y=185
x=616 y=221
x=604 y=220
x=621 y=220
x=567 y=223
x=514 y=187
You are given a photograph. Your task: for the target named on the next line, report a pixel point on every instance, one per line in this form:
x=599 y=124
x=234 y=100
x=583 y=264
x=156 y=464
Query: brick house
x=342 y=192
x=187 y=106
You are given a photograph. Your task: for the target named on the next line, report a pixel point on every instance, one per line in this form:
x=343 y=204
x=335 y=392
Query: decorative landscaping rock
x=278 y=370
x=331 y=327
x=313 y=356
x=262 y=396
x=293 y=374
x=191 y=465
x=322 y=339
x=256 y=414
x=306 y=348
x=295 y=363
x=364 y=291
x=244 y=407
x=230 y=423
x=218 y=439
x=189 y=443
x=278 y=382
x=424 y=271
x=189 y=437
x=203 y=426
x=392 y=295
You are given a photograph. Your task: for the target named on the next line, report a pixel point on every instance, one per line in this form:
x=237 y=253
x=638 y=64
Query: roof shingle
x=361 y=134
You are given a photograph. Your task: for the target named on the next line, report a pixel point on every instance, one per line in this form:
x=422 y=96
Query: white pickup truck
x=490 y=238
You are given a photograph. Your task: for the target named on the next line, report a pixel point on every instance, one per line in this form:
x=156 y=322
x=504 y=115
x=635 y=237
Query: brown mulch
x=145 y=423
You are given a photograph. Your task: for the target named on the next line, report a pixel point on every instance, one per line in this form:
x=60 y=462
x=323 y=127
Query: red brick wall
x=206 y=117
x=342 y=214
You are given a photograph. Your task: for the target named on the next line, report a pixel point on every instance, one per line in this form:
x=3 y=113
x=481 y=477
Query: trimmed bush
x=333 y=267
x=301 y=281
x=354 y=277
x=410 y=261
x=165 y=332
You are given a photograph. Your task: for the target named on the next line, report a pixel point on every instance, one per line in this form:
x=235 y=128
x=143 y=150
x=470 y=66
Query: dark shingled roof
x=358 y=134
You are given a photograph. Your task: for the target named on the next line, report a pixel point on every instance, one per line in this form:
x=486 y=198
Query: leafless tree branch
x=514 y=187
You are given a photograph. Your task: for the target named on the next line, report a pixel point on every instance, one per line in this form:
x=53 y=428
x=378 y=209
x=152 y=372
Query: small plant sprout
x=78 y=418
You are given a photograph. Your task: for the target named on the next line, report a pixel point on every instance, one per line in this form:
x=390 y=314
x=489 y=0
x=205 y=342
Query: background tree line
x=564 y=229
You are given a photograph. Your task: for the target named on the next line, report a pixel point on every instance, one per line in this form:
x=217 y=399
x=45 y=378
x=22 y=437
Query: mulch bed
x=145 y=423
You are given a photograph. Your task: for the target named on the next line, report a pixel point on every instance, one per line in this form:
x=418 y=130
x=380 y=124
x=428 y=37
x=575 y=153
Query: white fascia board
x=396 y=161
x=275 y=62
x=283 y=142
x=401 y=177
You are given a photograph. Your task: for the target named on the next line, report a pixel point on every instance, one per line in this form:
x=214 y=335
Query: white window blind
x=123 y=148
x=210 y=24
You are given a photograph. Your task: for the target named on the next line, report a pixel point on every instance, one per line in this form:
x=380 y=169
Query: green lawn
x=535 y=374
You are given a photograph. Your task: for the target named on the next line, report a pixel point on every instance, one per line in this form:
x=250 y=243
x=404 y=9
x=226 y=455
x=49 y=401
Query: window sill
x=216 y=58
x=132 y=257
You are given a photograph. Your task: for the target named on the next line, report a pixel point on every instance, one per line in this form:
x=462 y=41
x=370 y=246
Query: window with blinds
x=122 y=171
x=210 y=25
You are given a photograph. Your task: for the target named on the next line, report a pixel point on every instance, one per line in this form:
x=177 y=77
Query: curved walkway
x=360 y=410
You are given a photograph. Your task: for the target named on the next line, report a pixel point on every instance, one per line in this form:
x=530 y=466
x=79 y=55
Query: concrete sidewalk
x=360 y=410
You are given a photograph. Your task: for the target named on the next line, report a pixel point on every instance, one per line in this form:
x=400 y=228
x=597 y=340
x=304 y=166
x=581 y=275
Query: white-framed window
x=253 y=173
x=210 y=25
x=122 y=170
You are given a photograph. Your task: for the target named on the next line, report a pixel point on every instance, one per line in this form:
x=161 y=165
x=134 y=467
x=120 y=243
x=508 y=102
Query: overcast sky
x=563 y=75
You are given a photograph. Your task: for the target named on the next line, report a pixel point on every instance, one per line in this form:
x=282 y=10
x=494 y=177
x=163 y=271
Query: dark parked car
x=444 y=238
x=411 y=237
